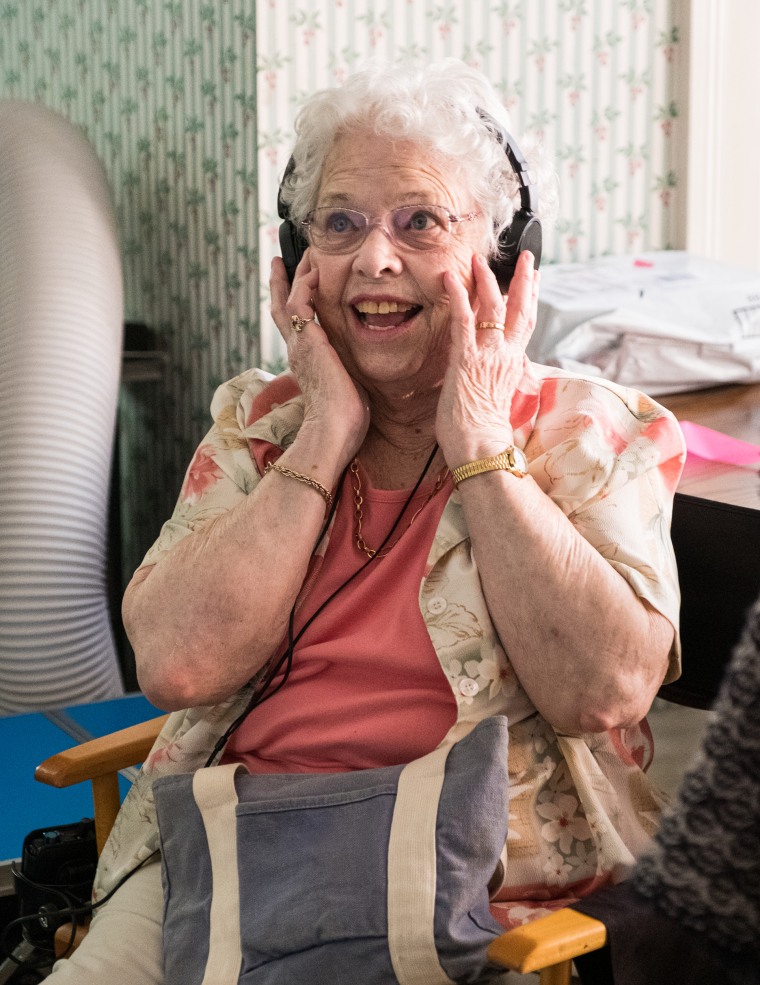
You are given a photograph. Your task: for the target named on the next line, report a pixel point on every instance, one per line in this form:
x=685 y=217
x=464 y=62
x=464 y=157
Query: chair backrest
x=717 y=548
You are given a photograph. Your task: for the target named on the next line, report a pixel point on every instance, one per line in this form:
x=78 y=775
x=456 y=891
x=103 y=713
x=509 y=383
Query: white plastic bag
x=662 y=321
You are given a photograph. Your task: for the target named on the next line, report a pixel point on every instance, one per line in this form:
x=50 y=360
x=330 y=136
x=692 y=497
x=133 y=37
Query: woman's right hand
x=336 y=407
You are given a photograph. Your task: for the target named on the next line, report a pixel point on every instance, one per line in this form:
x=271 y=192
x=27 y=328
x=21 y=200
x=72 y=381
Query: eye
x=420 y=220
x=340 y=222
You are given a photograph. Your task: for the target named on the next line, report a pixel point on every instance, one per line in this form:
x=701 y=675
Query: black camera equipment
x=56 y=874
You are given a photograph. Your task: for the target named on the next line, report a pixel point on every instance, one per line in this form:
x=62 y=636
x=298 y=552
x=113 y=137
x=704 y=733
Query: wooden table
x=735 y=411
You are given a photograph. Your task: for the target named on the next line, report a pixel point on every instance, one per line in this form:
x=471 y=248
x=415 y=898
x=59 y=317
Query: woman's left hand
x=485 y=364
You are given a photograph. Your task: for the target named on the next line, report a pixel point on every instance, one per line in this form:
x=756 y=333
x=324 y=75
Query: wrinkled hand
x=485 y=365
x=333 y=402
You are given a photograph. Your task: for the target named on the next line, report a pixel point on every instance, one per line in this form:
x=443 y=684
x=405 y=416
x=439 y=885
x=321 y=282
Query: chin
x=411 y=376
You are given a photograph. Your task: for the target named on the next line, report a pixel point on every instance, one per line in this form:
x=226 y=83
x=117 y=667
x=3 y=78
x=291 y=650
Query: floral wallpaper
x=593 y=79
x=190 y=105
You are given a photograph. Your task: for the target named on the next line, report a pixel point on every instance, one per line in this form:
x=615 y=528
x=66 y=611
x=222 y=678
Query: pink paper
x=716 y=447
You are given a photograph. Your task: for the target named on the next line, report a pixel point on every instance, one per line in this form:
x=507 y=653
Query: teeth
x=383 y=308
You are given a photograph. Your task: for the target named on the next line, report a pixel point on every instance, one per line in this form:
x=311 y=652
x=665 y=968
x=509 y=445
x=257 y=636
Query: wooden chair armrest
x=101 y=756
x=560 y=936
x=99 y=761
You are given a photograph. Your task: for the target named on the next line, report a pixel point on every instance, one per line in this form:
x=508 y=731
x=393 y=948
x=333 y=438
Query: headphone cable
x=262 y=692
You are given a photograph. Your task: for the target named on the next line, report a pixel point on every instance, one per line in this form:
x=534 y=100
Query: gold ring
x=489 y=324
x=299 y=323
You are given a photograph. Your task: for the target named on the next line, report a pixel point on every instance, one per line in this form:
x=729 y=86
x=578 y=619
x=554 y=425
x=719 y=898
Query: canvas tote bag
x=376 y=876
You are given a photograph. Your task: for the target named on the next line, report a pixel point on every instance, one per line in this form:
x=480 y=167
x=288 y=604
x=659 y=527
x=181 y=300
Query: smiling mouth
x=385 y=314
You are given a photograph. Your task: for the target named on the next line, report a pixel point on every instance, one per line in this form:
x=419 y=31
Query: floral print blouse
x=581 y=807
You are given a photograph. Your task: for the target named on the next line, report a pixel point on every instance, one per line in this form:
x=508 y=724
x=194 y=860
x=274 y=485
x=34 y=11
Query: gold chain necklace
x=359 y=503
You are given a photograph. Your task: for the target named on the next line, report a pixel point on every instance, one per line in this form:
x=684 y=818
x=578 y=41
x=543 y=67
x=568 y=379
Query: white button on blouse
x=468 y=687
x=437 y=605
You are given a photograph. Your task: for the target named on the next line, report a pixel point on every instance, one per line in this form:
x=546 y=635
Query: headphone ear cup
x=524 y=233
x=292 y=247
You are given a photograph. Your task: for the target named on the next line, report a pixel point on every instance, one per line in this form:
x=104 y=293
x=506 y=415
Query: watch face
x=519 y=459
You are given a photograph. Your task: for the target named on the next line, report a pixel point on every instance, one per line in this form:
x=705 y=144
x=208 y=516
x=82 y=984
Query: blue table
x=28 y=740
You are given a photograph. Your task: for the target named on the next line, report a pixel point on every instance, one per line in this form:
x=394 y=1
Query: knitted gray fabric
x=704 y=868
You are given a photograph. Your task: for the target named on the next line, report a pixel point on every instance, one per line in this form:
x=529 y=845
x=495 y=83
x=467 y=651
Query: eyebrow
x=337 y=199
x=407 y=198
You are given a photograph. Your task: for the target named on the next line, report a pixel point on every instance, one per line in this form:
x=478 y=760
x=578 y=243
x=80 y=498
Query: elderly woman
x=413 y=527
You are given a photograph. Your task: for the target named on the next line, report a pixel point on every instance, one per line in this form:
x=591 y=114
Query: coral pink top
x=353 y=701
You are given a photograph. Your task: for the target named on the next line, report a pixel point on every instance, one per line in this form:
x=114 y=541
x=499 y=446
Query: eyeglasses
x=418 y=227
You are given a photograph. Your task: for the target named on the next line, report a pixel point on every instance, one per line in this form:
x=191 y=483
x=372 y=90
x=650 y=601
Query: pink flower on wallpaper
x=202 y=474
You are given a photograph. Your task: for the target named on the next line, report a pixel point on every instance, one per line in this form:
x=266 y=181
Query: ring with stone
x=482 y=325
x=299 y=323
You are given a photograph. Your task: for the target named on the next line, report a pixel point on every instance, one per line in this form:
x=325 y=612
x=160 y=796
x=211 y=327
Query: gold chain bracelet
x=324 y=493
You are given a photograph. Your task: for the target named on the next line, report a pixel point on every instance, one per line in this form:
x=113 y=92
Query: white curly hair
x=436 y=105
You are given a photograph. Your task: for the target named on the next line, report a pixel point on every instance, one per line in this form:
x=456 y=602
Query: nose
x=378 y=254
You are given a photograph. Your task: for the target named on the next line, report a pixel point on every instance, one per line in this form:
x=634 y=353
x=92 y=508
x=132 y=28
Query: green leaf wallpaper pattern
x=190 y=105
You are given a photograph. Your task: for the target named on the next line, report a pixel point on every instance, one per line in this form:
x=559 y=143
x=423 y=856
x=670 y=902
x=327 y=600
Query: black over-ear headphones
x=523 y=233
x=293 y=243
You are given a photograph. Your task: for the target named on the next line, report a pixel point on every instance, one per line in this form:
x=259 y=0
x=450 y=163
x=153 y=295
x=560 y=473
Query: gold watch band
x=510 y=460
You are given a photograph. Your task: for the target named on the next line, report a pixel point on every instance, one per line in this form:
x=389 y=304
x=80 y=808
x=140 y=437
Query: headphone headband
x=528 y=193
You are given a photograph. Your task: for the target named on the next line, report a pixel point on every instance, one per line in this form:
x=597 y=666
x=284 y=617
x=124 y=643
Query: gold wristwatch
x=510 y=460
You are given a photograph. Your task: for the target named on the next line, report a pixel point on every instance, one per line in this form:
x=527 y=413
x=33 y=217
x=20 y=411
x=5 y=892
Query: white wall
x=722 y=217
